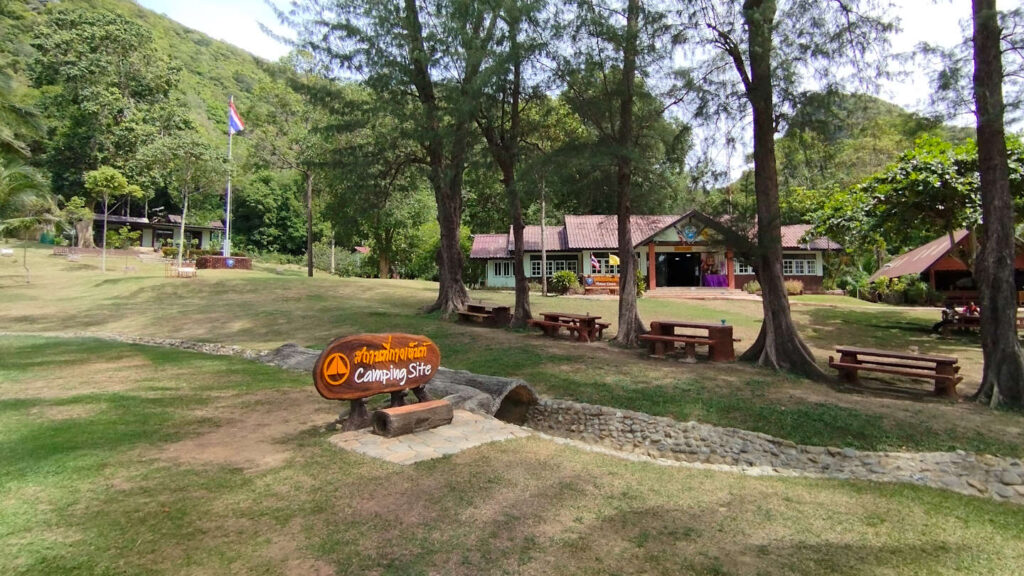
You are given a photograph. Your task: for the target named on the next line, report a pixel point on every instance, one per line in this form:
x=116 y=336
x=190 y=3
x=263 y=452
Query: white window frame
x=742 y=268
x=554 y=265
x=503 y=269
x=799 y=266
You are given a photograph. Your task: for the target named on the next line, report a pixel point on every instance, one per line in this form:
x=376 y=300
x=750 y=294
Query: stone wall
x=703 y=444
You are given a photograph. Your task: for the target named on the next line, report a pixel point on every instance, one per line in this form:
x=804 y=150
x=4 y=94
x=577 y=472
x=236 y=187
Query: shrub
x=752 y=287
x=794 y=287
x=563 y=281
x=641 y=283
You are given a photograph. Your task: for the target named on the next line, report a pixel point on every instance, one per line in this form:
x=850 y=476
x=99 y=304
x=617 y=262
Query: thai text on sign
x=360 y=366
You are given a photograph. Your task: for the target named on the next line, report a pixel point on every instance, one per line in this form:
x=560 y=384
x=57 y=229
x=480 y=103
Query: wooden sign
x=361 y=366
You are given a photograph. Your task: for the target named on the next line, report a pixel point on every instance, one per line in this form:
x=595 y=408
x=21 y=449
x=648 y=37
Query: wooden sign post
x=357 y=367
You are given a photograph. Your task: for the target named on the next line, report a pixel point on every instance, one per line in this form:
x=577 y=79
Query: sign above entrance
x=367 y=364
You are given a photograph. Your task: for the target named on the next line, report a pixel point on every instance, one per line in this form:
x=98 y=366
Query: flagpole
x=226 y=248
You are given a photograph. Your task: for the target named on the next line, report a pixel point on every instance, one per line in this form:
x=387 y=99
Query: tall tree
x=1003 y=376
x=432 y=52
x=378 y=187
x=618 y=43
x=106 y=184
x=190 y=166
x=771 y=46
x=284 y=137
x=99 y=74
x=501 y=121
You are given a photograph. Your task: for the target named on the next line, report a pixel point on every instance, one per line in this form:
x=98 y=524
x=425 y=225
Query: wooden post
x=651 y=257
x=392 y=422
x=729 y=269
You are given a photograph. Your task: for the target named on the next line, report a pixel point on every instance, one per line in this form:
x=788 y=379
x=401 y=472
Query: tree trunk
x=1003 y=375
x=83 y=231
x=522 y=312
x=383 y=264
x=630 y=325
x=543 y=247
x=24 y=260
x=452 y=295
x=184 y=212
x=103 y=259
x=309 y=224
x=777 y=345
x=445 y=173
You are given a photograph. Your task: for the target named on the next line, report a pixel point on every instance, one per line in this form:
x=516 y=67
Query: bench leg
x=657 y=349
x=721 y=351
x=946 y=385
x=690 y=353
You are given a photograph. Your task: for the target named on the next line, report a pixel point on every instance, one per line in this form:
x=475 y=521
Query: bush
x=794 y=287
x=752 y=287
x=641 y=283
x=563 y=281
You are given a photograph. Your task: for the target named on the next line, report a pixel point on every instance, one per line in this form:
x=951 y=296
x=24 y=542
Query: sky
x=238 y=22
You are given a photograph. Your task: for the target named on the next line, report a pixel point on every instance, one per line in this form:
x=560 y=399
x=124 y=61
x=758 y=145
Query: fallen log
x=506 y=399
x=391 y=422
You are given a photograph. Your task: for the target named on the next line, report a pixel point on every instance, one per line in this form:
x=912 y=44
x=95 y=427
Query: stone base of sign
x=467 y=430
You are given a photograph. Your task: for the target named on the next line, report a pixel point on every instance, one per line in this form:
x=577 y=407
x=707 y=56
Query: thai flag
x=594 y=264
x=235 y=123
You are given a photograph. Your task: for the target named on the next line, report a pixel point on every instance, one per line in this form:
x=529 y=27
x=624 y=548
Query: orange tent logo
x=336 y=369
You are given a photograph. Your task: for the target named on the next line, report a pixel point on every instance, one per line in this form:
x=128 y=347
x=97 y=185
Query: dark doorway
x=678 y=269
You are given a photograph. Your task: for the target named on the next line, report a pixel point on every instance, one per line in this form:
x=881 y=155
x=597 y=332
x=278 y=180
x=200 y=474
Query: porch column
x=931 y=277
x=728 y=266
x=651 y=281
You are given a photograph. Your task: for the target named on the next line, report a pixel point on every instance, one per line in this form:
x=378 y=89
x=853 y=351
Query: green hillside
x=211 y=70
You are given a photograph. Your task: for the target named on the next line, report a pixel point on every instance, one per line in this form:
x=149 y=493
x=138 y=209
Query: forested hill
x=210 y=70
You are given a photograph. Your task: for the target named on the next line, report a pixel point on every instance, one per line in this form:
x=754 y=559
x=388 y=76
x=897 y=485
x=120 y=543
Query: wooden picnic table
x=718 y=338
x=938 y=368
x=586 y=327
x=494 y=316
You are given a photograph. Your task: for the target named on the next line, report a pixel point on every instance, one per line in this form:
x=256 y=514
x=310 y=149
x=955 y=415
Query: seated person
x=949 y=315
x=971 y=310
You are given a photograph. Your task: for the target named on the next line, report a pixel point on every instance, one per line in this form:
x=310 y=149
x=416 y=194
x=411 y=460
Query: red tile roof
x=602 y=231
x=919 y=259
x=792 y=239
x=489 y=246
x=554 y=239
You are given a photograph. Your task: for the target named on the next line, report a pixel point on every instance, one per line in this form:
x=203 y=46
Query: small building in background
x=159 y=231
x=940 y=263
x=688 y=250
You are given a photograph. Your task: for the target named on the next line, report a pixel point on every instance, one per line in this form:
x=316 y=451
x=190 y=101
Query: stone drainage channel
x=639 y=436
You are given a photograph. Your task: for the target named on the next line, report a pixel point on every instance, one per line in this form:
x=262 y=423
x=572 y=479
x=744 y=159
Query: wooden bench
x=940 y=369
x=552 y=328
x=495 y=317
x=585 y=327
x=660 y=344
x=601 y=284
x=717 y=337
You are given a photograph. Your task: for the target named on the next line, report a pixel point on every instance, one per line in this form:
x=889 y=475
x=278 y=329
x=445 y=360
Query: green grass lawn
x=126 y=459
x=272 y=305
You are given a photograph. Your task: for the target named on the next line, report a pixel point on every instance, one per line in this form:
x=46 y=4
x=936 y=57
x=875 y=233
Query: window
x=800 y=266
x=742 y=268
x=555 y=263
x=503 y=268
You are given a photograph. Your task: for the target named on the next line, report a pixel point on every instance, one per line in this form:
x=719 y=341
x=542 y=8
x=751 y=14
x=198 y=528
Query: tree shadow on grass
x=740 y=539
x=885 y=329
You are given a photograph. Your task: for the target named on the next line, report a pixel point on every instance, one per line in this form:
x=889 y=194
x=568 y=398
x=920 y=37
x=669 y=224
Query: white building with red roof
x=688 y=250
